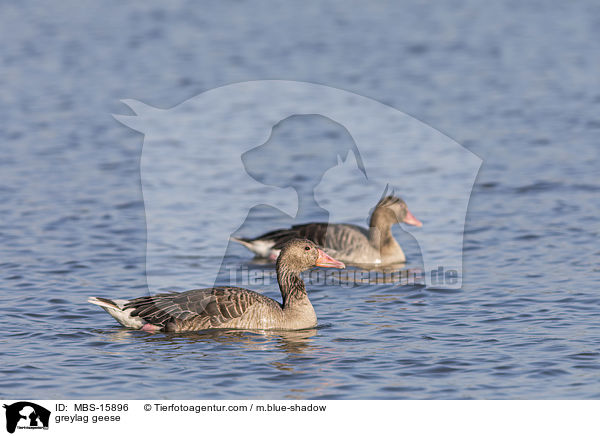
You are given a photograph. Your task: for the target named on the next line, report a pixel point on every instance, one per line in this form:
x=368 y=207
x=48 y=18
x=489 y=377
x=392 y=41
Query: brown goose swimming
x=230 y=307
x=346 y=242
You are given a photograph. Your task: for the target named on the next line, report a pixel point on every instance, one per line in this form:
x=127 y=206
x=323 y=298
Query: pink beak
x=327 y=261
x=410 y=219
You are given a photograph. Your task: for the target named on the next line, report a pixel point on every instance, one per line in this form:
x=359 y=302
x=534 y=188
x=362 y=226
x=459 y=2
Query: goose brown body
x=230 y=307
x=346 y=242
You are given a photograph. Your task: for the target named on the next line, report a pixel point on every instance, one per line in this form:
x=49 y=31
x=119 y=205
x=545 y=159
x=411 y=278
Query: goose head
x=392 y=210
x=298 y=255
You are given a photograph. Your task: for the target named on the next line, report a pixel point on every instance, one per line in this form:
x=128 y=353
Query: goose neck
x=291 y=285
x=380 y=231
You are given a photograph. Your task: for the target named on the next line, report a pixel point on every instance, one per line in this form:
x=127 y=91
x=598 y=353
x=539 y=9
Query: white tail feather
x=115 y=309
x=258 y=247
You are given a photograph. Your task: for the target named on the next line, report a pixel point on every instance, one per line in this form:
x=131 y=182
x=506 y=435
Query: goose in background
x=346 y=242
x=230 y=307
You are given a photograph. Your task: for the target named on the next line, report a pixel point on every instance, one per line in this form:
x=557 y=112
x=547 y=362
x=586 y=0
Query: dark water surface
x=517 y=83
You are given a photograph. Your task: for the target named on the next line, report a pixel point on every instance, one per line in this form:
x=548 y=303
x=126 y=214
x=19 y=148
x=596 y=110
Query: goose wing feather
x=327 y=236
x=205 y=307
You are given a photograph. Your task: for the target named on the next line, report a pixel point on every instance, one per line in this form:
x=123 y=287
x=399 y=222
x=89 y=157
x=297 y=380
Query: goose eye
x=307 y=248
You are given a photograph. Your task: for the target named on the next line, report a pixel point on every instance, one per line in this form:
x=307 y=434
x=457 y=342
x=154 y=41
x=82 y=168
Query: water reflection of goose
x=289 y=341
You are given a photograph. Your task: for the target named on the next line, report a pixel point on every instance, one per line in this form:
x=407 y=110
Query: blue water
x=515 y=82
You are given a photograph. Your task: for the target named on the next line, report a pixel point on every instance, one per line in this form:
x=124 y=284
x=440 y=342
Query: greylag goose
x=346 y=242
x=230 y=307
